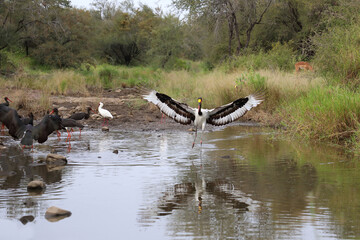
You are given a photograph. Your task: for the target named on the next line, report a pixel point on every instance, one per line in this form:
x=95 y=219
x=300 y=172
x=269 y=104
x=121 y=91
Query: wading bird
x=6 y=103
x=68 y=123
x=104 y=113
x=47 y=125
x=184 y=114
x=41 y=131
x=10 y=118
x=82 y=115
x=29 y=120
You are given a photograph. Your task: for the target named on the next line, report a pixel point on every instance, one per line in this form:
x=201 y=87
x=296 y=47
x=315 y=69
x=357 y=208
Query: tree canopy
x=54 y=33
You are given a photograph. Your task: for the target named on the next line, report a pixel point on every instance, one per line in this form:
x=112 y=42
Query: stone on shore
x=54 y=214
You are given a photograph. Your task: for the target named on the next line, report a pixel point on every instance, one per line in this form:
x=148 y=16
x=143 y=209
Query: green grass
x=325 y=113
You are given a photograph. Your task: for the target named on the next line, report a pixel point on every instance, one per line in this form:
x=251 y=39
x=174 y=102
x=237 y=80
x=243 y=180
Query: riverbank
x=130 y=111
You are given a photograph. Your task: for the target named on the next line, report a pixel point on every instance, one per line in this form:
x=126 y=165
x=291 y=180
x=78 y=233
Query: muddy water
x=243 y=183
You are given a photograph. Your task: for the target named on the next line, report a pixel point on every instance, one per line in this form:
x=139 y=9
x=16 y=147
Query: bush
x=107 y=75
x=281 y=56
x=6 y=66
x=57 y=55
x=338 y=53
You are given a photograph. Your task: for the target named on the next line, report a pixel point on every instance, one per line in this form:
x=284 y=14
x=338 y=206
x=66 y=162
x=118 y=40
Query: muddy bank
x=130 y=111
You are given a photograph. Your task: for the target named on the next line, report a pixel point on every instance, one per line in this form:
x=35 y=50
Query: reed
x=325 y=113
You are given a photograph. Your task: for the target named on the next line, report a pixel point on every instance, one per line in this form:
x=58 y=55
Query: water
x=242 y=183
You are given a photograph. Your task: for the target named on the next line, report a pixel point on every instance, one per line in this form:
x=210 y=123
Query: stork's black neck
x=199 y=110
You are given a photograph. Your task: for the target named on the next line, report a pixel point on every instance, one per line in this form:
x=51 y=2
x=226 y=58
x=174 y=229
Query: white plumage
x=104 y=113
x=184 y=114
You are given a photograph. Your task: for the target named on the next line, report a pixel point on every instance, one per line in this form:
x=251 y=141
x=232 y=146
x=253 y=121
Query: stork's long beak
x=51 y=112
x=9 y=99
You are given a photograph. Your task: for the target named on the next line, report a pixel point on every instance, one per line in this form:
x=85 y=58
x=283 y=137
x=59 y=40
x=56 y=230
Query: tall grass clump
x=324 y=113
x=107 y=75
x=112 y=77
x=338 y=53
x=62 y=82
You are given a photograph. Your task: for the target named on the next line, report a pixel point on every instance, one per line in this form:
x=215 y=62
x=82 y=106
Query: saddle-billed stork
x=184 y=114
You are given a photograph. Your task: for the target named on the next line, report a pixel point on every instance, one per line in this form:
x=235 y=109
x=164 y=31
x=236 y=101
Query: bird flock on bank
x=25 y=130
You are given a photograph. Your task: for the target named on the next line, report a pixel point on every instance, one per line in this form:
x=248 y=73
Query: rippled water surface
x=242 y=183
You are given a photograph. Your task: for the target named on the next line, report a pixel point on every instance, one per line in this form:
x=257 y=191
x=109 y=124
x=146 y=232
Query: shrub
x=107 y=75
x=338 y=53
x=330 y=113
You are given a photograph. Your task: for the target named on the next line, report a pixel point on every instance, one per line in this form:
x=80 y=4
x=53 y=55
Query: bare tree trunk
x=253 y=23
x=231 y=33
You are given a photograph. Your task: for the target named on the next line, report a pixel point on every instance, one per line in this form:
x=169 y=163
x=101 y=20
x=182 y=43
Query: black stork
x=184 y=114
x=46 y=126
x=68 y=123
x=6 y=103
x=10 y=118
x=29 y=120
x=42 y=130
x=82 y=115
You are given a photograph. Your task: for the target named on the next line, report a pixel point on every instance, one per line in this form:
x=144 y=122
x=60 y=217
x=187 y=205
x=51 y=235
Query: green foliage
x=6 y=65
x=253 y=79
x=107 y=75
x=338 y=54
x=281 y=56
x=207 y=66
x=326 y=113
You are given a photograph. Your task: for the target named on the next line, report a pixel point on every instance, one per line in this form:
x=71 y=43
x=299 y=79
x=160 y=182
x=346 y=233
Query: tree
x=241 y=16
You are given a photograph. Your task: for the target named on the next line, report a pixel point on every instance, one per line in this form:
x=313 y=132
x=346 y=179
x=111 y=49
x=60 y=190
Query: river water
x=245 y=182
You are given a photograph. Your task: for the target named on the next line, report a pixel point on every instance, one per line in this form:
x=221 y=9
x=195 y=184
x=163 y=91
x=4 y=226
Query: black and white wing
x=178 y=111
x=234 y=110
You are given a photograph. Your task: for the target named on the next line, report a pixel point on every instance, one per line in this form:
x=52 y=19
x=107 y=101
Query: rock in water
x=54 y=214
x=36 y=185
x=105 y=129
x=25 y=219
x=56 y=159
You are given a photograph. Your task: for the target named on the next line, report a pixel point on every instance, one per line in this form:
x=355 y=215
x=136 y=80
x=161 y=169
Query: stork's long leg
x=194 y=137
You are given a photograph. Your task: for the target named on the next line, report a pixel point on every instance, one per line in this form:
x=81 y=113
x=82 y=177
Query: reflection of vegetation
x=292 y=174
x=15 y=175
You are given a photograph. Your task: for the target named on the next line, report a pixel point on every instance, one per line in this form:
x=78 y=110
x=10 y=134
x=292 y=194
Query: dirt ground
x=130 y=111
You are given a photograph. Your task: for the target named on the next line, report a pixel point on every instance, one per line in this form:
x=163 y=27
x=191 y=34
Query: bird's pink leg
x=69 y=147
x=194 y=138
x=2 y=129
x=68 y=136
x=161 y=120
